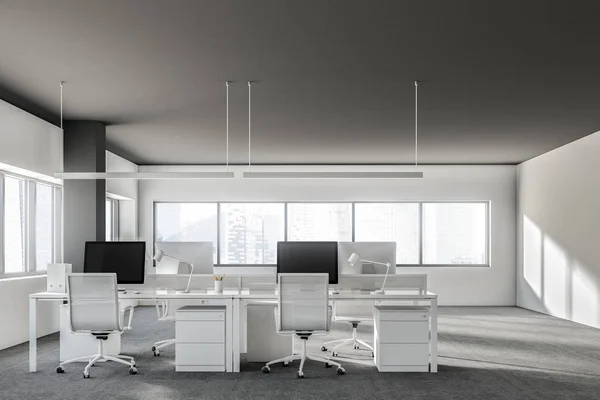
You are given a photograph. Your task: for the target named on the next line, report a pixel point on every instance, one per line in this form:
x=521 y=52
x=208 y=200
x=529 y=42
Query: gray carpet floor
x=485 y=353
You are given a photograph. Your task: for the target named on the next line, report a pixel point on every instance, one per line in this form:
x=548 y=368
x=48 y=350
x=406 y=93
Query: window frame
x=114 y=218
x=285 y=225
x=33 y=223
x=218 y=204
x=420 y=222
x=487 y=231
x=30 y=225
x=287 y=203
x=420 y=203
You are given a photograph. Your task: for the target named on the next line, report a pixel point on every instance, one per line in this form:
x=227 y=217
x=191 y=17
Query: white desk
x=234 y=300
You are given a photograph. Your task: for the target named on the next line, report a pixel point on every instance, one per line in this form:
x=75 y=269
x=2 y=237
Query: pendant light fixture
x=333 y=175
x=155 y=175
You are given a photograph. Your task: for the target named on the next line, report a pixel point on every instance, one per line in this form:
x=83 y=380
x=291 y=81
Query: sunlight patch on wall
x=555 y=268
x=532 y=256
x=584 y=294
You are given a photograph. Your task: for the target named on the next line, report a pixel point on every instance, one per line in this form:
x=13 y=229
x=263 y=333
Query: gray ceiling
x=502 y=81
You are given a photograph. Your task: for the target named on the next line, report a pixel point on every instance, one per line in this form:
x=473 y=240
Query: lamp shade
x=354 y=259
x=158 y=255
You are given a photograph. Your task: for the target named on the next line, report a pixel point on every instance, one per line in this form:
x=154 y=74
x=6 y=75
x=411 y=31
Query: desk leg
x=229 y=333
x=32 y=335
x=434 y=335
x=237 y=304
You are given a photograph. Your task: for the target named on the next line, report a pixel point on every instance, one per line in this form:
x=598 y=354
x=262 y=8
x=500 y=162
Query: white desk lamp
x=355 y=259
x=158 y=256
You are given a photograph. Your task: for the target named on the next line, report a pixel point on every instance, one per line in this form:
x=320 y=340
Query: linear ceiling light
x=334 y=175
x=144 y=175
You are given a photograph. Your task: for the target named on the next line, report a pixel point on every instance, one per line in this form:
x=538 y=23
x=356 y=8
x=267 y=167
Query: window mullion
x=30 y=196
x=218 y=233
x=2 y=223
x=421 y=234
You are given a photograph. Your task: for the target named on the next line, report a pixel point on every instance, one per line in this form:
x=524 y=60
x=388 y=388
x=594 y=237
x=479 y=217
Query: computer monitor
x=308 y=257
x=198 y=253
x=126 y=259
x=383 y=252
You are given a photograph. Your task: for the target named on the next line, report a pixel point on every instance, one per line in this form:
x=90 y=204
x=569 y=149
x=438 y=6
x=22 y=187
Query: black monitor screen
x=308 y=257
x=126 y=259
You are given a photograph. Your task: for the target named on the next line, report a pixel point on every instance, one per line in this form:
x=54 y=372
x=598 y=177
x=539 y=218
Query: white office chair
x=163 y=314
x=344 y=311
x=303 y=310
x=94 y=310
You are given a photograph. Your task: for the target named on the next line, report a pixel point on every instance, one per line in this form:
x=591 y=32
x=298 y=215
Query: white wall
x=559 y=232
x=28 y=142
x=31 y=144
x=455 y=285
x=127 y=190
x=14 y=310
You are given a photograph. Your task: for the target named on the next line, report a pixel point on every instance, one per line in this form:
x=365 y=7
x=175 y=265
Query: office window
x=385 y=222
x=15 y=222
x=319 y=221
x=186 y=222
x=112 y=220
x=455 y=233
x=44 y=226
x=249 y=232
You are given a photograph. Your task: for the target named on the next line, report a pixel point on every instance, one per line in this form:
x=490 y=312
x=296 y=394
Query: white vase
x=218 y=286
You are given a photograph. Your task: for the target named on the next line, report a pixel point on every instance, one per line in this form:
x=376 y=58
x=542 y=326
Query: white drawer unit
x=401 y=338
x=200 y=338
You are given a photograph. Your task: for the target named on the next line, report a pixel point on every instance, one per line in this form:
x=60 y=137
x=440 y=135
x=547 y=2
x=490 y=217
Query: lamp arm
x=187 y=289
x=386 y=275
x=376 y=262
x=388 y=265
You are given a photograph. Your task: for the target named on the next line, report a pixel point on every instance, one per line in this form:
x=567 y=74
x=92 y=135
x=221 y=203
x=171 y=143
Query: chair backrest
x=303 y=303
x=93 y=302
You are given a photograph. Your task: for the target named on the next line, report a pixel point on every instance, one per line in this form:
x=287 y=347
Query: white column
x=237 y=304
x=32 y=334
x=433 y=342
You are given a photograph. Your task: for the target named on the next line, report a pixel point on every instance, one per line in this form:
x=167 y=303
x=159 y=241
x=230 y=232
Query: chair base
x=99 y=357
x=303 y=357
x=161 y=344
x=354 y=341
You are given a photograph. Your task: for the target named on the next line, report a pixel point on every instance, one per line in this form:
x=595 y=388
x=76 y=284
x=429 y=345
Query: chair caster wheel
x=300 y=374
x=60 y=370
x=86 y=375
x=156 y=353
x=372 y=355
x=327 y=365
x=132 y=371
x=355 y=347
x=265 y=369
x=323 y=348
x=341 y=371
x=334 y=353
x=153 y=348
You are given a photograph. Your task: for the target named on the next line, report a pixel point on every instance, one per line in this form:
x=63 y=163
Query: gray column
x=84 y=211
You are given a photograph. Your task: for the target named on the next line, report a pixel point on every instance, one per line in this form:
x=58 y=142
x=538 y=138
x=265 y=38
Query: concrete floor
x=485 y=353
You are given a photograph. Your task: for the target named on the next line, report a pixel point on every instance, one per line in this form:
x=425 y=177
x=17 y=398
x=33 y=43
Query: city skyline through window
x=425 y=233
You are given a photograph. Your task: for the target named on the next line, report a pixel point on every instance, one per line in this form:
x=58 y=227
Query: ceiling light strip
x=332 y=175
x=145 y=175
